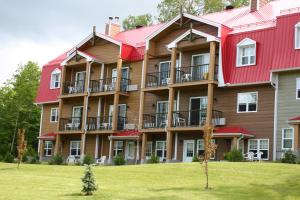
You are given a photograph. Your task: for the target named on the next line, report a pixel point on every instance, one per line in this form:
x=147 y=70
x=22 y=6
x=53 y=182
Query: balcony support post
x=57 y=144
x=82 y=146
x=172 y=90
x=111 y=147
x=169 y=146
x=144 y=148
x=60 y=105
x=143 y=85
x=117 y=95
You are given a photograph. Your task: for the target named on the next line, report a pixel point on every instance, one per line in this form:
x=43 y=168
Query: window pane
x=288 y=133
x=252 y=59
x=288 y=143
x=201 y=144
x=265 y=154
x=242 y=108
x=252 y=107
x=297 y=37
x=159 y=153
x=247 y=97
x=244 y=60
x=253 y=144
x=264 y=144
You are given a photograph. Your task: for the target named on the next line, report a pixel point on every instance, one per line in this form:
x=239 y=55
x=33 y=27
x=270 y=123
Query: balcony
x=195 y=118
x=73 y=87
x=157 y=79
x=70 y=124
x=99 y=123
x=108 y=85
x=193 y=73
x=155 y=120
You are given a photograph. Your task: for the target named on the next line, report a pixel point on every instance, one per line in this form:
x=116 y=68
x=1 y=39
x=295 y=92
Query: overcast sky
x=40 y=30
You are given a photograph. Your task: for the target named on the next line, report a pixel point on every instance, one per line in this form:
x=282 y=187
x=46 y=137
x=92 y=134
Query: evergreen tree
x=89 y=183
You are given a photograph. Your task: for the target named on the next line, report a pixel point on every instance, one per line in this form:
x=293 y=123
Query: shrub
x=153 y=159
x=88 y=160
x=1 y=158
x=30 y=156
x=119 y=160
x=289 y=157
x=195 y=159
x=234 y=156
x=56 y=160
x=9 y=158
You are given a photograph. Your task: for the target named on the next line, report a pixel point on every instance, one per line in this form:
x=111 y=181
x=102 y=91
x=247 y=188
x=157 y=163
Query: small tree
x=89 y=183
x=22 y=145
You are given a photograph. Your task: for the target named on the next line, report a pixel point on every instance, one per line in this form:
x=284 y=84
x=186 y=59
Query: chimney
x=257 y=4
x=112 y=27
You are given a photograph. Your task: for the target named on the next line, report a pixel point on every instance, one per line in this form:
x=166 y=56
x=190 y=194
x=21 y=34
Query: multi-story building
x=155 y=90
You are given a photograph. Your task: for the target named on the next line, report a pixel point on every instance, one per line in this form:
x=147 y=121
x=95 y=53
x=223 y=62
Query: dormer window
x=246 y=53
x=297 y=36
x=55 y=79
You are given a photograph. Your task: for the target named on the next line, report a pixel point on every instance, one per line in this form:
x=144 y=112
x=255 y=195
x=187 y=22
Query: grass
x=152 y=182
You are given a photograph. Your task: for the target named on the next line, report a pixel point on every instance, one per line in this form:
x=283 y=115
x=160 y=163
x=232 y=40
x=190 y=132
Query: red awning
x=126 y=134
x=295 y=120
x=232 y=132
x=48 y=136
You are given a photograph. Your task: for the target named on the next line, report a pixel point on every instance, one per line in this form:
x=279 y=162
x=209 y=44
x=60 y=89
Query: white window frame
x=52 y=79
x=297 y=87
x=47 y=148
x=292 y=138
x=247 y=104
x=56 y=115
x=297 y=36
x=258 y=146
x=116 y=149
x=163 y=149
x=247 y=42
x=199 y=140
x=78 y=150
x=149 y=151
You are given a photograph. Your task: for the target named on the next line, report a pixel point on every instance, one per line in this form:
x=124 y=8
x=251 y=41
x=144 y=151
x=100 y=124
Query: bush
x=195 y=159
x=88 y=180
x=289 y=157
x=119 y=160
x=153 y=159
x=9 y=158
x=30 y=156
x=234 y=156
x=56 y=160
x=88 y=160
x=1 y=158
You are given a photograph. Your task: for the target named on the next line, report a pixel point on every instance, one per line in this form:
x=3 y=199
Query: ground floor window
x=241 y=146
x=287 y=138
x=48 y=148
x=259 y=145
x=201 y=148
x=75 y=148
x=118 y=147
x=149 y=149
x=161 y=149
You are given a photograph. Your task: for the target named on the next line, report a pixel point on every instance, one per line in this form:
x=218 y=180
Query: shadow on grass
x=73 y=195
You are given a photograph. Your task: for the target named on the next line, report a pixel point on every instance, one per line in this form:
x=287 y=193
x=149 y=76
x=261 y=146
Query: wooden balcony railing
x=108 y=85
x=104 y=123
x=157 y=79
x=70 y=124
x=193 y=73
x=73 y=87
x=193 y=118
x=155 y=120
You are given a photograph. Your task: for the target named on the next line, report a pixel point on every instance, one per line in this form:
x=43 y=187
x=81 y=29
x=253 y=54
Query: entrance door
x=188 y=150
x=124 y=78
x=200 y=65
x=198 y=107
x=77 y=116
x=161 y=113
x=121 y=116
x=130 y=150
x=164 y=68
x=79 y=81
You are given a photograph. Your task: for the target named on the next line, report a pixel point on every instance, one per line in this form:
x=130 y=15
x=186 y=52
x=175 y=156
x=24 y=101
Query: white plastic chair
x=101 y=161
x=259 y=156
x=71 y=159
x=249 y=156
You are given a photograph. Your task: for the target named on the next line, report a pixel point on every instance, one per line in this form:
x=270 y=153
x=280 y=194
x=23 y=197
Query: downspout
x=274 y=83
x=40 y=133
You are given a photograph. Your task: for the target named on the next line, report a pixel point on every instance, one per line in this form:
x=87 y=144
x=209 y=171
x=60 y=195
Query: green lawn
x=152 y=182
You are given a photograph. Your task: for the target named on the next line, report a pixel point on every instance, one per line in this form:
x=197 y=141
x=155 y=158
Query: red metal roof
x=295 y=119
x=127 y=133
x=232 y=130
x=48 y=136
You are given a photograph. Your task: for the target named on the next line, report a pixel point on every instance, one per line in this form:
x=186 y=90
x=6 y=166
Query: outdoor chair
x=72 y=126
x=101 y=161
x=71 y=159
x=249 y=156
x=186 y=77
x=259 y=156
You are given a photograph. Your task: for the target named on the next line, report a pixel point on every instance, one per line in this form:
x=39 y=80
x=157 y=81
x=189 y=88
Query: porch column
x=144 y=148
x=97 y=147
x=169 y=145
x=137 y=150
x=234 y=143
x=296 y=137
x=41 y=147
x=110 y=154
x=60 y=105
x=143 y=85
x=82 y=145
x=172 y=90
x=57 y=144
x=86 y=98
x=175 y=148
x=117 y=95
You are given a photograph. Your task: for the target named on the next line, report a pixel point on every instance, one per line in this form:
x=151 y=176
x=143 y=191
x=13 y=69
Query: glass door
x=161 y=113
x=122 y=116
x=200 y=65
x=79 y=82
x=130 y=150
x=77 y=116
x=188 y=150
x=198 y=107
x=164 y=68
x=125 y=79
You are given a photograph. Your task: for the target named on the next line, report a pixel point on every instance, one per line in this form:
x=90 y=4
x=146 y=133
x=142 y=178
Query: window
x=118 y=148
x=201 y=148
x=48 y=148
x=298 y=88
x=54 y=115
x=75 y=148
x=247 y=102
x=246 y=52
x=297 y=36
x=149 y=149
x=287 y=138
x=55 y=79
x=161 y=149
x=259 y=145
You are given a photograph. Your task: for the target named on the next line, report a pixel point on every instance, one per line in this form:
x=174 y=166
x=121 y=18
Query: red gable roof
x=127 y=133
x=232 y=131
x=295 y=119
